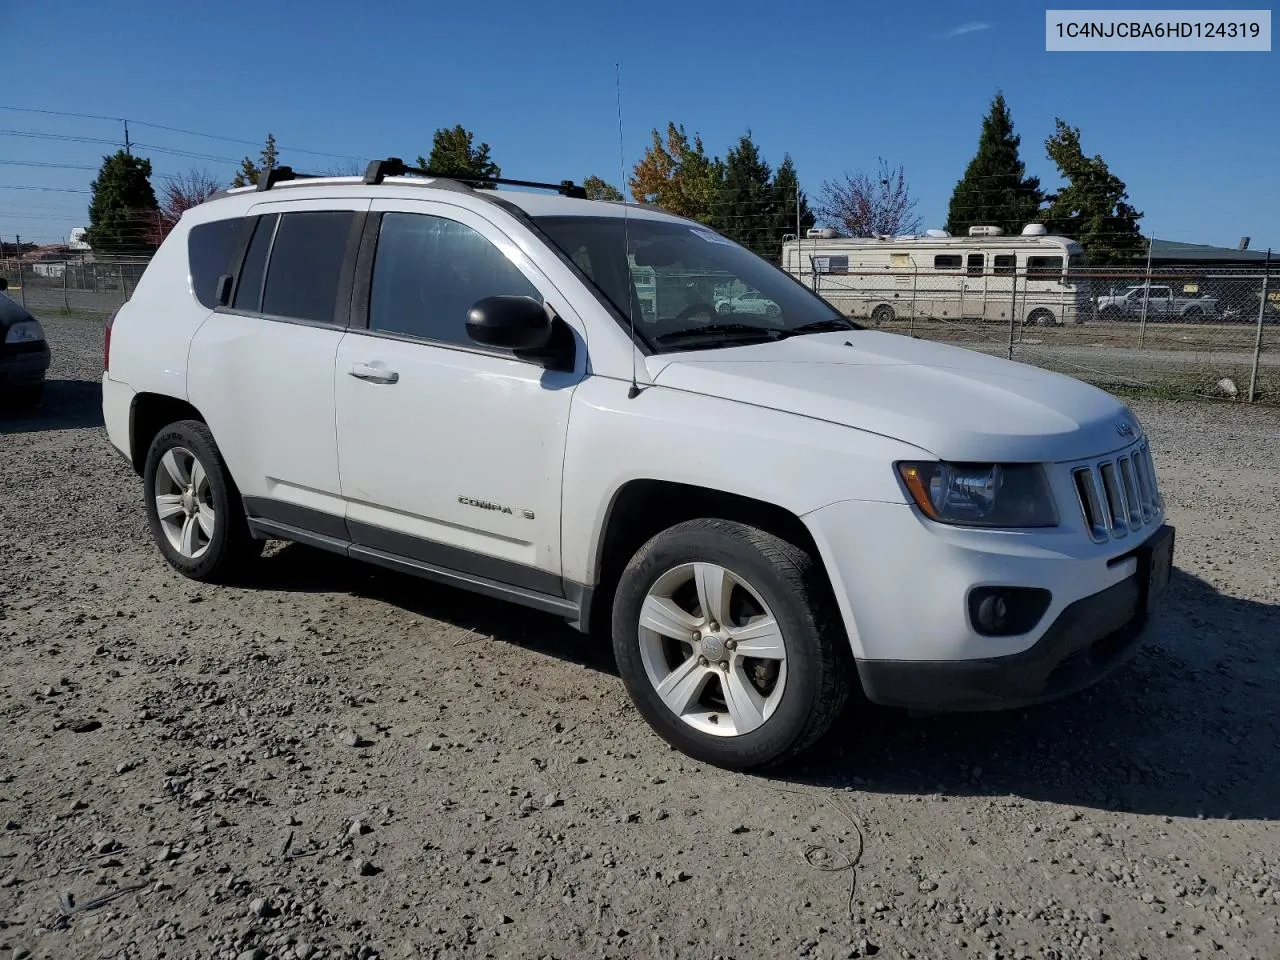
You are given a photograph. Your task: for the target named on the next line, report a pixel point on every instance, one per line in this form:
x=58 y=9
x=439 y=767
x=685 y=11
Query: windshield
x=690 y=287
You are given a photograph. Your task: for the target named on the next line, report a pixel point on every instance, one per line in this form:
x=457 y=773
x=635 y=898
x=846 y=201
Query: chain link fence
x=1199 y=330
x=73 y=286
x=1192 y=330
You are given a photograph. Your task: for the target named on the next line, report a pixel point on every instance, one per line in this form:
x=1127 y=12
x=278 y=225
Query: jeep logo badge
x=1124 y=428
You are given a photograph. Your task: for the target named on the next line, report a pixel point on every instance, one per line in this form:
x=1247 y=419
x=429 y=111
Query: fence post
x=1257 y=342
x=1013 y=309
x=22 y=287
x=1146 y=295
x=124 y=284
x=915 y=283
x=66 y=304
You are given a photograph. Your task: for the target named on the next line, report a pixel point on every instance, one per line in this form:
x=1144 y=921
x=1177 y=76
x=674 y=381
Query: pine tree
x=454 y=153
x=788 y=195
x=746 y=205
x=1093 y=207
x=123 y=214
x=247 y=175
x=995 y=190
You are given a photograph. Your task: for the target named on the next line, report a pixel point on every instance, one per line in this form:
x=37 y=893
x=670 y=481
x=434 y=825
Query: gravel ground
x=340 y=762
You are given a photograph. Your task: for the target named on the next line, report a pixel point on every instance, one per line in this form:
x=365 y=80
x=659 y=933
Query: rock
x=303 y=950
x=358 y=828
x=741 y=828
x=12 y=825
x=253 y=953
x=683 y=875
x=261 y=907
x=1096 y=915
x=366 y=868
x=503 y=918
x=84 y=726
x=552 y=800
x=353 y=739
x=10 y=881
x=1226 y=387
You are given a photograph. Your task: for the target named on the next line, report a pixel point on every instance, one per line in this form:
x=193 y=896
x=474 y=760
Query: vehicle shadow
x=67 y=405
x=297 y=568
x=1189 y=727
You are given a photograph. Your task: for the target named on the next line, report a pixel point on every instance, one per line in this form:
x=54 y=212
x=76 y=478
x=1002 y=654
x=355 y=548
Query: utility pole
x=126 y=138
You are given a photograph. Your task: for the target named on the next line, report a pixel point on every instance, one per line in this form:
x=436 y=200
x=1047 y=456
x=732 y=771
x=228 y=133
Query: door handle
x=373 y=372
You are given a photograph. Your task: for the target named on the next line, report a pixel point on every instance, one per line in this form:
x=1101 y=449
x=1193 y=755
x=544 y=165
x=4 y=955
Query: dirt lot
x=339 y=762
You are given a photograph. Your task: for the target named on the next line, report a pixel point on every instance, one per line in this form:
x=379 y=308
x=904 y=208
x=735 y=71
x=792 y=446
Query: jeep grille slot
x=1118 y=494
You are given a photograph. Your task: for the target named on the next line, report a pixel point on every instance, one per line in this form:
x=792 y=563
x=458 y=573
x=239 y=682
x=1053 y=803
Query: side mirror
x=518 y=323
x=4 y=284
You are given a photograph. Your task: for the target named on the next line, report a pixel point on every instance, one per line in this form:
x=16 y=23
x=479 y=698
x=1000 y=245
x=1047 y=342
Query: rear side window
x=249 y=286
x=1005 y=264
x=1044 y=268
x=306 y=265
x=947 y=261
x=210 y=247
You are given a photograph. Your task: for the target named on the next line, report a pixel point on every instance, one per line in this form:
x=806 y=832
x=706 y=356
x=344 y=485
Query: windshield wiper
x=822 y=326
x=715 y=331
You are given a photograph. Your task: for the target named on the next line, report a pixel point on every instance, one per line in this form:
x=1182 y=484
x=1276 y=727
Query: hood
x=12 y=312
x=956 y=403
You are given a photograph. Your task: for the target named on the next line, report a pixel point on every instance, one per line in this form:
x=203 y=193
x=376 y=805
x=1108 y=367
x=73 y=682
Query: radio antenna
x=626 y=236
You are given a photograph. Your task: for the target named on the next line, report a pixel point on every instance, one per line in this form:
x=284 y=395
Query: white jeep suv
x=761 y=509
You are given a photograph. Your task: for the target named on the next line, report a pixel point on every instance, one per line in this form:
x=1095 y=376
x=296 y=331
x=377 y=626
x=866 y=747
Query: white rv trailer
x=984 y=276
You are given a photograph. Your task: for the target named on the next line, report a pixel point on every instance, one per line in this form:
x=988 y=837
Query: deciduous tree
x=600 y=189
x=179 y=194
x=863 y=205
x=677 y=175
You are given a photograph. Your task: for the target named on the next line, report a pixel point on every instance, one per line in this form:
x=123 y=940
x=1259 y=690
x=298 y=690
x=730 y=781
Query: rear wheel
x=1109 y=314
x=883 y=314
x=1193 y=315
x=724 y=639
x=193 y=506
x=1041 y=318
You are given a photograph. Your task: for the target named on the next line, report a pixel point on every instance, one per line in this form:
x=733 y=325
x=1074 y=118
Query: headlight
x=28 y=331
x=981 y=494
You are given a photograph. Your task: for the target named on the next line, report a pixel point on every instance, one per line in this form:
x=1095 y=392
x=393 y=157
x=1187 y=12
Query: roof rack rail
x=378 y=170
x=273 y=175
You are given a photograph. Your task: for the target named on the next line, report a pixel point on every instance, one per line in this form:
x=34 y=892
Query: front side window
x=688 y=287
x=306 y=264
x=210 y=247
x=429 y=272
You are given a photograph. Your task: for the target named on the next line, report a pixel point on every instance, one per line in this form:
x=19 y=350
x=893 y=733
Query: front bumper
x=1088 y=639
x=25 y=368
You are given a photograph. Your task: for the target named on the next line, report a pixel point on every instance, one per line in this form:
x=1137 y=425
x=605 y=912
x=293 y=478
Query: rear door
x=975 y=285
x=261 y=366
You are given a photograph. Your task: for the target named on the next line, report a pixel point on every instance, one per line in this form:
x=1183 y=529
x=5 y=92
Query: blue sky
x=1193 y=135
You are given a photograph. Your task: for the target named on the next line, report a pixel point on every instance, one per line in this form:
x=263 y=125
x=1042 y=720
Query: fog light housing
x=1007 y=611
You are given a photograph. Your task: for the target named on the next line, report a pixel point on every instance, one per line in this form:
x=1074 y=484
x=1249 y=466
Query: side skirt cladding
x=452 y=566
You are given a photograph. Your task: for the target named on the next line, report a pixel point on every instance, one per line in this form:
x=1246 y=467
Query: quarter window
x=306 y=264
x=210 y=247
x=430 y=271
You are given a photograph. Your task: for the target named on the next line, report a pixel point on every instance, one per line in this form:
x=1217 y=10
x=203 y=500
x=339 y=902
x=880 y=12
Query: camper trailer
x=984 y=276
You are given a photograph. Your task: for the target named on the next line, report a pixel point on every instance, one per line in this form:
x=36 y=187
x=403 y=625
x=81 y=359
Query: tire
x=1041 y=317
x=782 y=703
x=204 y=535
x=1193 y=315
x=883 y=314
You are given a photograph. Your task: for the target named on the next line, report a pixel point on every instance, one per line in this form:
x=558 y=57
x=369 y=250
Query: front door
x=450 y=453
x=974 y=299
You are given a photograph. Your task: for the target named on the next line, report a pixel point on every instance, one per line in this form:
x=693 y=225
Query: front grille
x=1118 y=494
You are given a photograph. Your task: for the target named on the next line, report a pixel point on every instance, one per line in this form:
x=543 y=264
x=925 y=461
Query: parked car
x=24 y=353
x=1162 y=304
x=760 y=514
x=748 y=303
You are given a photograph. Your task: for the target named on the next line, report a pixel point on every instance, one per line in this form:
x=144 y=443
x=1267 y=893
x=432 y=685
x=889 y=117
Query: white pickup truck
x=1162 y=304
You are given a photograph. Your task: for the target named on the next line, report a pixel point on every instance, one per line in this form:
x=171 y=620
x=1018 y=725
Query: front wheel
x=883 y=314
x=1041 y=318
x=193 y=507
x=726 y=643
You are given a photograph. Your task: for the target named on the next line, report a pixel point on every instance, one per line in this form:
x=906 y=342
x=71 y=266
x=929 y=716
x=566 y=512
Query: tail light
x=106 y=341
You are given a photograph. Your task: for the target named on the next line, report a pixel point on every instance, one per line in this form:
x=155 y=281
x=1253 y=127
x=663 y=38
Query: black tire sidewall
x=782 y=589
x=195 y=437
